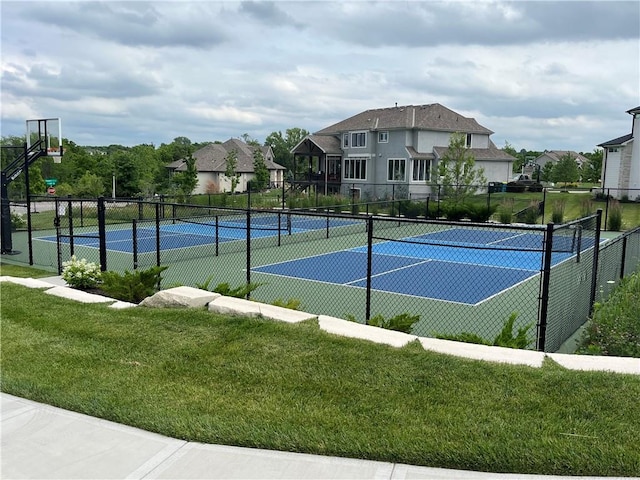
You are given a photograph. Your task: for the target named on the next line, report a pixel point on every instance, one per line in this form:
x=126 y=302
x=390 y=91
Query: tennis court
x=185 y=233
x=453 y=265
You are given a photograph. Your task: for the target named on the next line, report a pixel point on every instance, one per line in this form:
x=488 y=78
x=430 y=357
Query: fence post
x=606 y=206
x=544 y=203
x=29 y=227
x=158 y=233
x=56 y=223
x=102 y=234
x=544 y=295
x=367 y=315
x=248 y=252
x=623 y=260
x=70 y=215
x=596 y=254
x=134 y=246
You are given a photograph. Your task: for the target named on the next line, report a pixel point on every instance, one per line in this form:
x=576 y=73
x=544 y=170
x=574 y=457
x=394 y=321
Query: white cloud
x=546 y=74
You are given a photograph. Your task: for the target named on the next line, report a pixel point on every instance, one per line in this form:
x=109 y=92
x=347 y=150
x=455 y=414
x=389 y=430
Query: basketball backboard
x=48 y=131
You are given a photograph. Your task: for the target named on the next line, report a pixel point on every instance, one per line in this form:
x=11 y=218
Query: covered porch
x=317 y=162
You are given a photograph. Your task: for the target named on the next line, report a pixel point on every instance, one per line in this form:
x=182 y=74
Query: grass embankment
x=615 y=325
x=238 y=381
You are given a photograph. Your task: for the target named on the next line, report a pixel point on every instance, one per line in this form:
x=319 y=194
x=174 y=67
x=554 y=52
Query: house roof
x=212 y=157
x=491 y=153
x=409 y=117
x=419 y=155
x=617 y=141
x=328 y=145
x=633 y=111
x=556 y=155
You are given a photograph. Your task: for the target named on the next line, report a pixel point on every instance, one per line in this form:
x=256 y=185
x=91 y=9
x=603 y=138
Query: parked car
x=522 y=182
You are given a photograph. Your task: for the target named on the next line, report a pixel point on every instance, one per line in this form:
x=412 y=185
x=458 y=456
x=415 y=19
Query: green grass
x=615 y=326
x=238 y=381
x=22 y=271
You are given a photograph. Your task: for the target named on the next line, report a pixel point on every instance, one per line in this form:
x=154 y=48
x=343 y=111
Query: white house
x=621 y=162
x=211 y=164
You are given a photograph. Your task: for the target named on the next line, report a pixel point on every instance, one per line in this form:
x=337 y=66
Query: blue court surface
x=467 y=274
x=185 y=235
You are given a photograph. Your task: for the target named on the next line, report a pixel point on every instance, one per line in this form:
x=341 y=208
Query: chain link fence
x=456 y=276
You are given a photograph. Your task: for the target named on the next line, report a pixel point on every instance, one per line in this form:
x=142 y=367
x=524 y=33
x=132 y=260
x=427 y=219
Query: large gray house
x=393 y=150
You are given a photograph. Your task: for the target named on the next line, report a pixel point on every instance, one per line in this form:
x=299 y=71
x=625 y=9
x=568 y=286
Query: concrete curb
x=337 y=326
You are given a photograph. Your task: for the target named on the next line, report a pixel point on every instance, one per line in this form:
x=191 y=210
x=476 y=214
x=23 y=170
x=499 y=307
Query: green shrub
x=291 y=304
x=615 y=216
x=505 y=338
x=506 y=211
x=81 y=274
x=465 y=337
x=557 y=214
x=17 y=221
x=225 y=289
x=239 y=292
x=455 y=211
x=410 y=209
x=586 y=207
x=401 y=323
x=614 y=328
x=531 y=213
x=481 y=213
x=132 y=287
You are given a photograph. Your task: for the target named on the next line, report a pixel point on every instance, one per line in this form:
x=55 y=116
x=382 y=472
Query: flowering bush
x=17 y=221
x=80 y=273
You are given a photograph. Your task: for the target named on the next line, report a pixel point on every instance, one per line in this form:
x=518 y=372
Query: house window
x=613 y=149
x=358 y=139
x=355 y=168
x=421 y=170
x=345 y=140
x=383 y=137
x=468 y=142
x=396 y=170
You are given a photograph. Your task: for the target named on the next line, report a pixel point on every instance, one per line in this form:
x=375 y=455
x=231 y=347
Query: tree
x=89 y=186
x=186 y=181
x=261 y=173
x=592 y=170
x=566 y=170
x=459 y=177
x=231 y=162
x=127 y=174
x=282 y=145
x=546 y=174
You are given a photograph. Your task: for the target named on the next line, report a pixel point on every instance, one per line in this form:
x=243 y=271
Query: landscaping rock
x=188 y=297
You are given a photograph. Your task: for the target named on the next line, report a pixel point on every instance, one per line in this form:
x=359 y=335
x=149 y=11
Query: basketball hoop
x=46 y=135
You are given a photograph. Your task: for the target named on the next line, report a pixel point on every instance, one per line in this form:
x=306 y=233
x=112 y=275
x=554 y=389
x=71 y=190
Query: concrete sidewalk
x=44 y=442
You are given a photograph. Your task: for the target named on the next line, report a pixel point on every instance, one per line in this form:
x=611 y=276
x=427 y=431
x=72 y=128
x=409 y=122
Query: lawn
x=203 y=377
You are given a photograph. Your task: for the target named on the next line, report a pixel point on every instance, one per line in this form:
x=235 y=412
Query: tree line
x=141 y=170
x=138 y=171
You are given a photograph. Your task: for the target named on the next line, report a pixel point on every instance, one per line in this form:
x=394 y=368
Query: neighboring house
x=621 y=162
x=394 y=150
x=554 y=156
x=211 y=164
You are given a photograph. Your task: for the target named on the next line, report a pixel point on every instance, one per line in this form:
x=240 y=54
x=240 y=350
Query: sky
x=555 y=75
